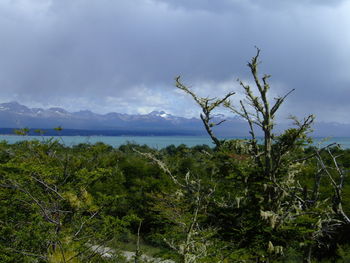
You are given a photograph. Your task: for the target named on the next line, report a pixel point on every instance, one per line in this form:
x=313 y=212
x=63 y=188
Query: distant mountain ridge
x=15 y=115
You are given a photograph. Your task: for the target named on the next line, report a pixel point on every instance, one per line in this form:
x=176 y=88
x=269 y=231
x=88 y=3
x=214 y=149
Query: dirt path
x=129 y=255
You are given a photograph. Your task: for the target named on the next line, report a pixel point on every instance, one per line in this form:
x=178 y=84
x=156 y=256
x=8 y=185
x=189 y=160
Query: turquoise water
x=157 y=142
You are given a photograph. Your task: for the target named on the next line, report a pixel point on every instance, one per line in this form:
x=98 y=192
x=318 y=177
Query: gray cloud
x=123 y=55
x=237 y=6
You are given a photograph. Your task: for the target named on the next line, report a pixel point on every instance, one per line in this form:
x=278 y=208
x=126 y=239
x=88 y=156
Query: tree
x=271 y=191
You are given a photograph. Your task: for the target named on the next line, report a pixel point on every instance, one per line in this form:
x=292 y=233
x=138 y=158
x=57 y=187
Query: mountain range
x=14 y=115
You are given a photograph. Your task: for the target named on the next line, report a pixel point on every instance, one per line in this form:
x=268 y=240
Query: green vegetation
x=282 y=201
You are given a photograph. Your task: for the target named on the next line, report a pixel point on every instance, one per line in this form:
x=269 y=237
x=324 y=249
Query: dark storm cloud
x=123 y=55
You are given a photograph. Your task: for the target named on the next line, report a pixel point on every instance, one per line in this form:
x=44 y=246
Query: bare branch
x=314 y=154
x=207 y=105
x=244 y=114
x=42 y=208
x=161 y=165
x=253 y=65
x=279 y=101
x=82 y=224
x=218 y=123
x=47 y=186
x=337 y=199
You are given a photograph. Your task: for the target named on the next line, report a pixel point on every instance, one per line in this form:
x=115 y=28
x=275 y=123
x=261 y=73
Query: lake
x=157 y=142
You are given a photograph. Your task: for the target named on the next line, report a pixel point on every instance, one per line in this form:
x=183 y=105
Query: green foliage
x=272 y=197
x=344 y=253
x=278 y=201
x=98 y=194
x=22 y=132
x=56 y=201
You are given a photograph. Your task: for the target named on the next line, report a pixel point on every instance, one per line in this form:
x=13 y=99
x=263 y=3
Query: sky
x=123 y=55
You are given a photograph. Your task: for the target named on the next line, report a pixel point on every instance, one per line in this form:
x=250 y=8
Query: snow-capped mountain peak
x=161 y=114
x=58 y=110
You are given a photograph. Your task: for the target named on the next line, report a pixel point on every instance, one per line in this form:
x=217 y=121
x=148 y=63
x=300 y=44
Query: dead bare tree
x=336 y=174
x=207 y=105
x=273 y=158
x=334 y=217
x=258 y=113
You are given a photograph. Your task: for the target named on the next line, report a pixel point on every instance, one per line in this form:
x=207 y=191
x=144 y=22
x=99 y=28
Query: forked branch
x=207 y=105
